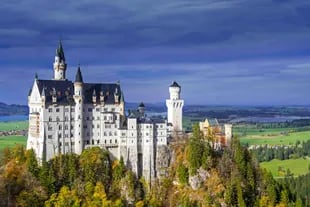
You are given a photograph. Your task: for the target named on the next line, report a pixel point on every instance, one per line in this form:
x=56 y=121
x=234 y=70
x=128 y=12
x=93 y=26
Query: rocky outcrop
x=198 y=179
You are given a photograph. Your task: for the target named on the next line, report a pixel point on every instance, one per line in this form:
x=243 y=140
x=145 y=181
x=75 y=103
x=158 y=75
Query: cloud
x=225 y=50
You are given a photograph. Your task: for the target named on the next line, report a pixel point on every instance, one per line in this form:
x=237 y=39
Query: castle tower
x=60 y=65
x=175 y=106
x=228 y=134
x=78 y=98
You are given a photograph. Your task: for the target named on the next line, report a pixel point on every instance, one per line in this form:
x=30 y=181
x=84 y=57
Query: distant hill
x=13 y=109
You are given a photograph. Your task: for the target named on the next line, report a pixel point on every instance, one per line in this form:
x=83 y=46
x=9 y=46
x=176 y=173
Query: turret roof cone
x=60 y=52
x=175 y=84
x=78 y=76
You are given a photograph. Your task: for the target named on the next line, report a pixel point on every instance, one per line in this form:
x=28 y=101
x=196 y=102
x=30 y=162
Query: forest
x=198 y=176
x=267 y=153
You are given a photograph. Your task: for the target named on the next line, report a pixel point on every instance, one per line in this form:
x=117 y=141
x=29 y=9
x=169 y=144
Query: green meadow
x=11 y=141
x=278 y=168
x=250 y=135
x=18 y=125
x=276 y=139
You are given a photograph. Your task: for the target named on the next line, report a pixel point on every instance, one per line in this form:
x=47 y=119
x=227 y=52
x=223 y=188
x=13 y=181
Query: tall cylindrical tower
x=175 y=107
x=60 y=65
x=78 y=98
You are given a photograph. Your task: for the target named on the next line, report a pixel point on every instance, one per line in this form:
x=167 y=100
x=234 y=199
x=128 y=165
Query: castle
x=67 y=117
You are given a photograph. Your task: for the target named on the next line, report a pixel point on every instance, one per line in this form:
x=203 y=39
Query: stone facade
x=67 y=117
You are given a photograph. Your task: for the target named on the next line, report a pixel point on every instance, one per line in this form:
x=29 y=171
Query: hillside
x=198 y=176
x=13 y=109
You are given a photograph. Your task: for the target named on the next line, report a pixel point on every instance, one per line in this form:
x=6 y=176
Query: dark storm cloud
x=212 y=43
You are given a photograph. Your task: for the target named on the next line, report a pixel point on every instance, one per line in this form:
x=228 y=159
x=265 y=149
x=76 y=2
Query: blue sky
x=237 y=52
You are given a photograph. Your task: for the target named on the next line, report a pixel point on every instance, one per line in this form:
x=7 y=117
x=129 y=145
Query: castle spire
x=60 y=52
x=78 y=76
x=60 y=65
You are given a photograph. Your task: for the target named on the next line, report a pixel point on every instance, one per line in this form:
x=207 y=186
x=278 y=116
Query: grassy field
x=10 y=141
x=276 y=139
x=271 y=136
x=19 y=125
x=297 y=166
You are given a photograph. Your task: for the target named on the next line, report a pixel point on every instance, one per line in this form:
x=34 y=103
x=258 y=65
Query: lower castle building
x=68 y=117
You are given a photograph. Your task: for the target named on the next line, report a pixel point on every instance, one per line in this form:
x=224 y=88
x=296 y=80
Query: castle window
x=71 y=135
x=57 y=109
x=98 y=141
x=87 y=118
x=105 y=118
x=50 y=110
x=87 y=141
x=98 y=126
x=50 y=119
x=92 y=142
x=147 y=126
x=123 y=134
x=85 y=126
x=66 y=118
x=146 y=134
x=104 y=134
x=50 y=128
x=146 y=140
x=57 y=118
x=110 y=133
x=105 y=141
x=110 y=141
x=113 y=109
x=115 y=133
x=66 y=109
x=72 y=143
x=50 y=136
x=60 y=127
x=59 y=135
x=115 y=141
x=98 y=118
x=89 y=109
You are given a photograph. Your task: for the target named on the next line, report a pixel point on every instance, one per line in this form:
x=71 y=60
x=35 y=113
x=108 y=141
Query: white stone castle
x=67 y=117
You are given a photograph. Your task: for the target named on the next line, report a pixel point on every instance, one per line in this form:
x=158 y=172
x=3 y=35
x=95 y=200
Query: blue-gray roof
x=65 y=91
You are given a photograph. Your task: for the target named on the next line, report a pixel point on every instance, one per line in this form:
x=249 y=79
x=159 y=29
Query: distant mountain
x=13 y=109
x=149 y=107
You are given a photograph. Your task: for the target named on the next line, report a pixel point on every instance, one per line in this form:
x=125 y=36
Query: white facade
x=67 y=117
x=175 y=107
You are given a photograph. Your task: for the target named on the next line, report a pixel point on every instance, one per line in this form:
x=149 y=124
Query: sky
x=221 y=52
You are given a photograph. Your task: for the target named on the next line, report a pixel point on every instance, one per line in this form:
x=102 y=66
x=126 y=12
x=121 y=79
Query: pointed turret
x=60 y=52
x=60 y=65
x=78 y=76
x=79 y=99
